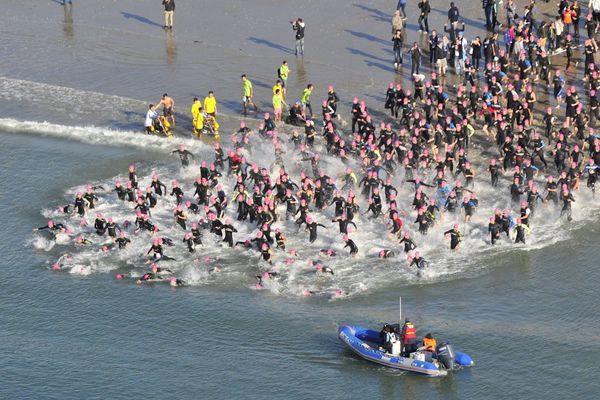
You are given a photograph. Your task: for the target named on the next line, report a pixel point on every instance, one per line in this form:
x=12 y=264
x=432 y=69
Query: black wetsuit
x=409 y=244
x=122 y=242
x=184 y=156
x=312 y=228
x=229 y=229
x=455 y=238
x=353 y=247
x=158 y=187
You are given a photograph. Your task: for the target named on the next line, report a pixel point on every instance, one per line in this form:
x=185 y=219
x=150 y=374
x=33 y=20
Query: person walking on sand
x=169 y=10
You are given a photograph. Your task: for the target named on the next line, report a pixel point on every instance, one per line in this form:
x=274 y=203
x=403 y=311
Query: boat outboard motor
x=445 y=354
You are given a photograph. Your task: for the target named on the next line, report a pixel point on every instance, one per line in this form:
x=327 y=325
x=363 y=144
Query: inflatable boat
x=366 y=343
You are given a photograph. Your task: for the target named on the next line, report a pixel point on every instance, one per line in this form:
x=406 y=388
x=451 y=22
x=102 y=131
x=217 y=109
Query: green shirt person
x=284 y=73
x=248 y=93
x=305 y=99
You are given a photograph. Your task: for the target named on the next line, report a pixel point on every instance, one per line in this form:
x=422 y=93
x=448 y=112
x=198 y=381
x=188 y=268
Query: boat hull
x=355 y=339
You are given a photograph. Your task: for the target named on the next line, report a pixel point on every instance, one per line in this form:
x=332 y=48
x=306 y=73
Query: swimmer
x=266 y=253
x=80 y=204
x=455 y=236
x=112 y=227
x=328 y=252
x=189 y=241
x=80 y=240
x=155 y=269
x=89 y=196
x=520 y=230
x=386 y=253
x=494 y=229
x=148 y=277
x=311 y=226
x=62 y=260
x=159 y=187
x=176 y=282
x=100 y=225
x=418 y=261
x=52 y=227
x=229 y=230
x=184 y=155
x=409 y=244
x=267 y=275
x=122 y=241
x=322 y=269
x=280 y=239
x=351 y=245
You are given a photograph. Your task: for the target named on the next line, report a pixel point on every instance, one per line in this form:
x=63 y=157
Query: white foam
x=353 y=275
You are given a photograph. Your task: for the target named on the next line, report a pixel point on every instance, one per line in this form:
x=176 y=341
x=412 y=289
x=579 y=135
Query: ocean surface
x=74 y=86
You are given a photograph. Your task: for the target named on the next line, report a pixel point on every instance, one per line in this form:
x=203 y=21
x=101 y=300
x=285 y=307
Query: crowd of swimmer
x=426 y=143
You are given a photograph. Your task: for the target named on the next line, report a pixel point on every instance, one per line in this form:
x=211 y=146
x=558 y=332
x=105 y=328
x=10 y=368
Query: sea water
x=526 y=314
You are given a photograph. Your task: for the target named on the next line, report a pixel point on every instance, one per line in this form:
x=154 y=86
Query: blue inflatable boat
x=367 y=344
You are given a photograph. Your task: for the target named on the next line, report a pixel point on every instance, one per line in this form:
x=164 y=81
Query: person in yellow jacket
x=210 y=104
x=195 y=110
x=199 y=122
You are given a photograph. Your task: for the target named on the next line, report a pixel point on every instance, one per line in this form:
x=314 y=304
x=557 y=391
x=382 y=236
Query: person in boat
x=409 y=338
x=387 y=336
x=429 y=343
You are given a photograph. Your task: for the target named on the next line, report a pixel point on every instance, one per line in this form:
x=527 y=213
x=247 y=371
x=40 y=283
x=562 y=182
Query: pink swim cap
x=119 y=276
x=55 y=266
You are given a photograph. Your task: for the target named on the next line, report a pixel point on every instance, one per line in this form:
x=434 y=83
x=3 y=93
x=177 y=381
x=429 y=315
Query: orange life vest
x=429 y=344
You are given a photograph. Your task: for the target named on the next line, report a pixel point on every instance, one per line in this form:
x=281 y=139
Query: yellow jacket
x=196 y=106
x=210 y=105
